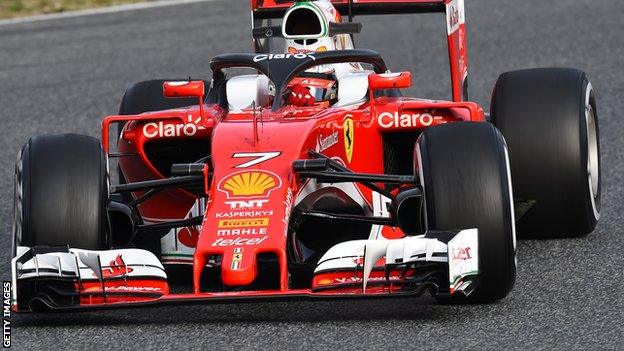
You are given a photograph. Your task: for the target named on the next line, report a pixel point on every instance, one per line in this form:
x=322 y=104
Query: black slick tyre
x=61 y=193
x=464 y=172
x=548 y=117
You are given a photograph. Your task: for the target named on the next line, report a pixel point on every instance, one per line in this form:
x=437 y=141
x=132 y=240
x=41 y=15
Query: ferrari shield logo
x=347 y=128
x=237 y=257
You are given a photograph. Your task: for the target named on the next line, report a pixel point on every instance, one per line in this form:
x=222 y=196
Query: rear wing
x=276 y=8
x=264 y=11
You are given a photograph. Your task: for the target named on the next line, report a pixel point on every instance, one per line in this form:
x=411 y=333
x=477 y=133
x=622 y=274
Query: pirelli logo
x=244 y=222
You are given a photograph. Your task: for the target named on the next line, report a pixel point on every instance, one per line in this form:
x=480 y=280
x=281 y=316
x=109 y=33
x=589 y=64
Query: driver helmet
x=306 y=28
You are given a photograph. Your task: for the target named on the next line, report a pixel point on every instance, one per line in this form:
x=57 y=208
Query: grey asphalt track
x=64 y=75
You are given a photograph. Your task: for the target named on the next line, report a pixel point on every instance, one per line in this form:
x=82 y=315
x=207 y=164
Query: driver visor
x=304 y=22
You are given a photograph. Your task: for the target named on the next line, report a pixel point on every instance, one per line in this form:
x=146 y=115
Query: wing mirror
x=186 y=89
x=390 y=80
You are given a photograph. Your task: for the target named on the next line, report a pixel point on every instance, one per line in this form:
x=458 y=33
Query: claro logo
x=264 y=57
x=394 y=120
x=168 y=130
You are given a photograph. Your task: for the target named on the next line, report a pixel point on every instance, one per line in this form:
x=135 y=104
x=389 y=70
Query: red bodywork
x=290 y=131
x=252 y=165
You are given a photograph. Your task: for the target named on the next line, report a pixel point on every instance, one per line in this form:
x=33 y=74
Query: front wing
x=54 y=279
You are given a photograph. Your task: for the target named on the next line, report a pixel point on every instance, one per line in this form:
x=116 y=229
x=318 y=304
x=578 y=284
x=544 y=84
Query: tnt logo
x=234 y=205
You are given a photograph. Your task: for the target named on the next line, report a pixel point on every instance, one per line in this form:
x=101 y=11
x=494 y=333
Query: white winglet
x=50 y=263
x=92 y=260
x=373 y=251
x=394 y=253
x=463 y=257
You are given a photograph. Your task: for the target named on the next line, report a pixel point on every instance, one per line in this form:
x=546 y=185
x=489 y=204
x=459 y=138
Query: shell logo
x=249 y=184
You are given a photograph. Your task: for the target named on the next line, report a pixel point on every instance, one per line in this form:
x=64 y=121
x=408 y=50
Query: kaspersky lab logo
x=264 y=57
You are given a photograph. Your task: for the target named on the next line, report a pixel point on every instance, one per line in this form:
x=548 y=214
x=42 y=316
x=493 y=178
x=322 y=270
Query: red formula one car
x=228 y=191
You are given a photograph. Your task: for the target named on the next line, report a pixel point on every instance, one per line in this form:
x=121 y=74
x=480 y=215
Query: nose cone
x=242 y=268
x=248 y=216
x=251 y=199
x=239 y=265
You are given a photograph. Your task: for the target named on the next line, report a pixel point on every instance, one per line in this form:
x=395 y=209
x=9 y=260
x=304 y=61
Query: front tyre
x=464 y=172
x=61 y=193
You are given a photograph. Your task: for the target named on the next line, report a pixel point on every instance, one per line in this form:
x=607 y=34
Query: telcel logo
x=238 y=241
x=394 y=120
x=263 y=57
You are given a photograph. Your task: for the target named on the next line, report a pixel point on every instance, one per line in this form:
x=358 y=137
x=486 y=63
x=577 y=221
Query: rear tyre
x=464 y=172
x=148 y=96
x=548 y=117
x=61 y=193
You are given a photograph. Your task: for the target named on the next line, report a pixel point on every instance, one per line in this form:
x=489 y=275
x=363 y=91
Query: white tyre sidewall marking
x=17 y=204
x=511 y=200
x=593 y=165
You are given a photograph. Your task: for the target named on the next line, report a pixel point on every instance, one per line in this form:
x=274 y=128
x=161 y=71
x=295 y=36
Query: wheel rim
x=593 y=163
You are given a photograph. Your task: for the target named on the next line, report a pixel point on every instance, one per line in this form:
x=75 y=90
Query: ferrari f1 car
x=227 y=193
